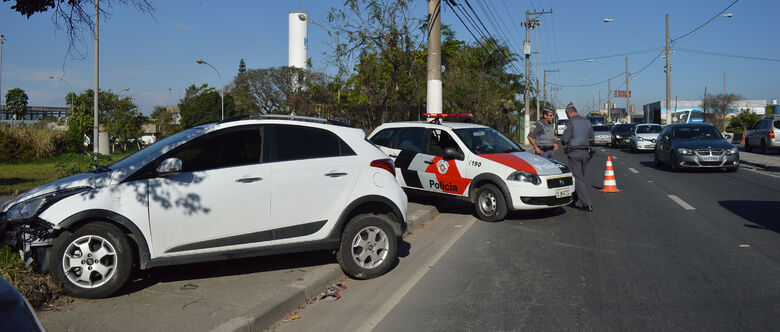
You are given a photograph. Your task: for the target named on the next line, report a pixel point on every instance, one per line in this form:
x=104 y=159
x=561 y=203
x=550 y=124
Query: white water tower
x=298 y=41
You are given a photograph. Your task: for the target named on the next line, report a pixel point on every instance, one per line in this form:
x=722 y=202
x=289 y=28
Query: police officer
x=577 y=136
x=542 y=137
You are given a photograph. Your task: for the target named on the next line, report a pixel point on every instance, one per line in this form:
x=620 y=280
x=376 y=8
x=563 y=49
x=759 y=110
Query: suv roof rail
x=285 y=117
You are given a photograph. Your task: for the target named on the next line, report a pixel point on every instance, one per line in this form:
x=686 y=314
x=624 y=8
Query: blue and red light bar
x=445 y=115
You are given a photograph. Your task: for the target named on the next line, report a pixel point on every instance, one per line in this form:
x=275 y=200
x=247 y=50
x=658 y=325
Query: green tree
x=744 y=120
x=112 y=107
x=16 y=103
x=124 y=123
x=241 y=66
x=721 y=107
x=202 y=105
x=280 y=90
x=163 y=118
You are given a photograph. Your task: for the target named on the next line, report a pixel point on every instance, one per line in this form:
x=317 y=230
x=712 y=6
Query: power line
x=728 y=55
x=705 y=23
x=611 y=78
x=601 y=57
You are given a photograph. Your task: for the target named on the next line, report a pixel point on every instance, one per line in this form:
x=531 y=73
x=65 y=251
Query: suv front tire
x=92 y=262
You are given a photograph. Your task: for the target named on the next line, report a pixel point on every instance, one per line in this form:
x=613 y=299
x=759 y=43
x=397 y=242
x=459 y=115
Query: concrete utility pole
x=95 y=127
x=434 y=103
x=609 y=102
x=2 y=38
x=668 y=70
x=529 y=24
x=545 y=81
x=628 y=94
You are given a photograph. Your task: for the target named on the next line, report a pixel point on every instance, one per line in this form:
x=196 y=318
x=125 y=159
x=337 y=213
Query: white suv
x=238 y=188
x=476 y=163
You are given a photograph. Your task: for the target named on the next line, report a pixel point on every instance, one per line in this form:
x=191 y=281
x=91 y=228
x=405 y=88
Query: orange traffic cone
x=610 y=186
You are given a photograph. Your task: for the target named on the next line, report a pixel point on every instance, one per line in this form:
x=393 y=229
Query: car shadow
x=458 y=206
x=756 y=212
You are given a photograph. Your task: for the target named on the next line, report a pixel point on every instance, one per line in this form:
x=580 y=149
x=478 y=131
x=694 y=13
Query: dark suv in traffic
x=621 y=134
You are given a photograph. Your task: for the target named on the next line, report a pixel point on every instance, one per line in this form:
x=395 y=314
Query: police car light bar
x=445 y=115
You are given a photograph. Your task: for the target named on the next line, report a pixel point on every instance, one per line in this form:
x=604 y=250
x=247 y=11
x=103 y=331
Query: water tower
x=298 y=41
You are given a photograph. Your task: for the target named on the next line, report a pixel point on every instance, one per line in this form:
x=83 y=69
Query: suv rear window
x=300 y=142
x=600 y=128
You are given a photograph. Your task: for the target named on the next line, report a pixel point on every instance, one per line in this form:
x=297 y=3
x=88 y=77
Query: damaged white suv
x=237 y=188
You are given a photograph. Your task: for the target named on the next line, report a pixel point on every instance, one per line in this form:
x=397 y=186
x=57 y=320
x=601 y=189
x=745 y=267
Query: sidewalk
x=770 y=162
x=238 y=295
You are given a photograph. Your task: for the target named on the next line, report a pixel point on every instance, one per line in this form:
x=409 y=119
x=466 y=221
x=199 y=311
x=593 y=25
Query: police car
x=473 y=162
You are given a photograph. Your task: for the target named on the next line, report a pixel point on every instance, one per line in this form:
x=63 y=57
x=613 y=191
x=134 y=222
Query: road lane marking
x=744 y=246
x=380 y=314
x=613 y=157
x=759 y=172
x=633 y=170
x=681 y=202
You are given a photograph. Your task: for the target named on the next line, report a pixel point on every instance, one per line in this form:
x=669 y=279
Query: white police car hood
x=528 y=162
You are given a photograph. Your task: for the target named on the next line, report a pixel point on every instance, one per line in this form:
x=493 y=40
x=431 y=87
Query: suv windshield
x=600 y=128
x=648 y=129
x=486 y=140
x=698 y=132
x=562 y=122
x=154 y=150
x=622 y=128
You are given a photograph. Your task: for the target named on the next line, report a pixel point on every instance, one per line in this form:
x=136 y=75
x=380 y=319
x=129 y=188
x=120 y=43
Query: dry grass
x=39 y=289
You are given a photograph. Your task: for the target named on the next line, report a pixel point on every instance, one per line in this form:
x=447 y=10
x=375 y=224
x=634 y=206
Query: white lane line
x=613 y=157
x=380 y=314
x=681 y=202
x=759 y=172
x=633 y=170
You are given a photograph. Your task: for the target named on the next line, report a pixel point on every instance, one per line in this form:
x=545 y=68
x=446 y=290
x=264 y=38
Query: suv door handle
x=249 y=180
x=335 y=174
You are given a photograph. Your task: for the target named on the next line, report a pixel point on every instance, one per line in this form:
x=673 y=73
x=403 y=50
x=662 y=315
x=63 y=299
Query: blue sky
x=148 y=55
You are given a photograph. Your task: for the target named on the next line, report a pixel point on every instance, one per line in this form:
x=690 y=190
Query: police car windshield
x=486 y=140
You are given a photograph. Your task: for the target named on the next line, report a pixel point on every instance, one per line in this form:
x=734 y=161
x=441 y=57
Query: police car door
x=443 y=172
x=410 y=160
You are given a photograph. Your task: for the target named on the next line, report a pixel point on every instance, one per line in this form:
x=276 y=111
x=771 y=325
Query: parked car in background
x=621 y=134
x=237 y=188
x=601 y=134
x=695 y=146
x=16 y=314
x=764 y=135
x=475 y=163
x=561 y=126
x=644 y=137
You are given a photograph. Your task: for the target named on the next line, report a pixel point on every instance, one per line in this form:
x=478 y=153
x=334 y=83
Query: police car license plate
x=562 y=193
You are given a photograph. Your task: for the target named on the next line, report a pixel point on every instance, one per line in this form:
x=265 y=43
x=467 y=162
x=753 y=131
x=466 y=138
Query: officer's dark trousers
x=547 y=154
x=578 y=160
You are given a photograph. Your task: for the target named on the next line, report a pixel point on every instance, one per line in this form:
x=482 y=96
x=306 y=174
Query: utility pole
x=2 y=38
x=95 y=127
x=434 y=93
x=545 y=82
x=529 y=24
x=537 y=75
x=628 y=94
x=668 y=70
x=609 y=96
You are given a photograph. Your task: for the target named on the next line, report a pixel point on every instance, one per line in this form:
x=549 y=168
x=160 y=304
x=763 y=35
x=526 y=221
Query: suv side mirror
x=170 y=165
x=451 y=153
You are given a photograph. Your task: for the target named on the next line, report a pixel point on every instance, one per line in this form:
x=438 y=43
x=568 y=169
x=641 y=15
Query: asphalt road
x=687 y=251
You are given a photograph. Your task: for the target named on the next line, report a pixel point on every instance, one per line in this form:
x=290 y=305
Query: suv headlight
x=640 y=138
x=685 y=151
x=33 y=206
x=525 y=177
x=731 y=151
x=618 y=136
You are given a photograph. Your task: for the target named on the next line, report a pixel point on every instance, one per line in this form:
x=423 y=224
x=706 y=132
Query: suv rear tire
x=101 y=249
x=490 y=203
x=764 y=149
x=368 y=246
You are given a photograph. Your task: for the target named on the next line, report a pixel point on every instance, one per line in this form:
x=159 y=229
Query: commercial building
x=655 y=112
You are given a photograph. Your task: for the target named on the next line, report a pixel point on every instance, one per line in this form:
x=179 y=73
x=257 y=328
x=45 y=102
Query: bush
x=30 y=143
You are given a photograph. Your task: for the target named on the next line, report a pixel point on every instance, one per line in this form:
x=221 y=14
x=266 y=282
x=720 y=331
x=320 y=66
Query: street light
x=222 y=95
x=62 y=79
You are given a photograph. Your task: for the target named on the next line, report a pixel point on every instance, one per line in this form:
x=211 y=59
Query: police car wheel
x=490 y=203
x=92 y=262
x=368 y=246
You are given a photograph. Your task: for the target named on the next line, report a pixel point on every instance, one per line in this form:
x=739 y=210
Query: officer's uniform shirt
x=578 y=132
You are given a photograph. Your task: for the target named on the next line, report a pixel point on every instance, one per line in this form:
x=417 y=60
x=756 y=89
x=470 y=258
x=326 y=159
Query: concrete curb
x=266 y=314
x=766 y=167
